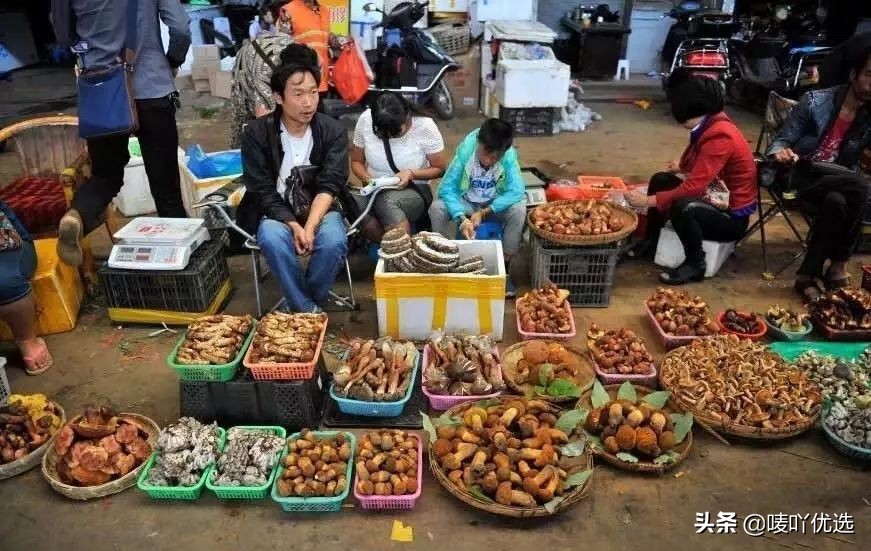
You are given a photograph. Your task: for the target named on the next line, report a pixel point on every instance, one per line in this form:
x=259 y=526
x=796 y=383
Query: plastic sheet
x=225 y=163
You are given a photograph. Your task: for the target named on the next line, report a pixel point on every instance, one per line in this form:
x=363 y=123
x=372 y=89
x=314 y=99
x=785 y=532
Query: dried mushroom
x=462 y=366
x=184 y=451
x=248 y=458
x=213 y=340
x=26 y=423
x=376 y=370
x=544 y=311
x=287 y=338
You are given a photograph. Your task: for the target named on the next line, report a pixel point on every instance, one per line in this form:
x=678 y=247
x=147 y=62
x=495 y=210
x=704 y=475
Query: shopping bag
x=351 y=73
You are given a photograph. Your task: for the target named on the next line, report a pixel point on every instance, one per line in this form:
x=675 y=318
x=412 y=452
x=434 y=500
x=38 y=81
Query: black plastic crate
x=190 y=290
x=586 y=272
x=293 y=404
x=529 y=121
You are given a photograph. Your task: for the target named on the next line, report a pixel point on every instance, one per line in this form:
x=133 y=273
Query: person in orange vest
x=310 y=25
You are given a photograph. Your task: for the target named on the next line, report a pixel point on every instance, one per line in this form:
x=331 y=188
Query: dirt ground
x=124 y=365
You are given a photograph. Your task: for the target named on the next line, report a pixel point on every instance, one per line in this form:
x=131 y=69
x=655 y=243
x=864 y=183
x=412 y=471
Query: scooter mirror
x=370 y=7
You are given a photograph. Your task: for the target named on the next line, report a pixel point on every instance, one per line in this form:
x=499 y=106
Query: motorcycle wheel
x=443 y=101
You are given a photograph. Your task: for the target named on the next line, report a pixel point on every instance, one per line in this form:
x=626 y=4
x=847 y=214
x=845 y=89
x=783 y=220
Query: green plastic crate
x=219 y=373
x=189 y=493
x=848 y=351
x=318 y=504
x=249 y=492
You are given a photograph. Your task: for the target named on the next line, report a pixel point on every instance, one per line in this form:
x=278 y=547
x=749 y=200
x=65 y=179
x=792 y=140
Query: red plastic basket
x=669 y=341
x=761 y=327
x=547 y=336
x=650 y=381
x=832 y=334
x=289 y=371
x=439 y=402
x=598 y=187
x=395 y=502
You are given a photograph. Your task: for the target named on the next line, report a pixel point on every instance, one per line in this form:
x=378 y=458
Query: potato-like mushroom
x=442 y=447
x=453 y=461
x=545 y=456
x=331 y=488
x=365 y=487
x=548 y=419
x=466 y=435
x=411 y=484
x=528 y=425
x=506 y=495
x=456 y=478
x=447 y=432
x=489 y=483
x=474 y=418
x=478 y=461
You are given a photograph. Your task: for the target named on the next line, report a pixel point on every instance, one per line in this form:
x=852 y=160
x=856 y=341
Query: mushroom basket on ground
x=27 y=425
x=549 y=370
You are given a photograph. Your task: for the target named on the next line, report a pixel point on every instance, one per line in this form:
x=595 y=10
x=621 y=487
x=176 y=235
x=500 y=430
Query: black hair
x=496 y=135
x=389 y=112
x=295 y=58
x=858 y=60
x=696 y=97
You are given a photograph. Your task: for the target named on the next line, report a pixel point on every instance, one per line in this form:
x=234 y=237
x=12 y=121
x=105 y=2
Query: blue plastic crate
x=377 y=409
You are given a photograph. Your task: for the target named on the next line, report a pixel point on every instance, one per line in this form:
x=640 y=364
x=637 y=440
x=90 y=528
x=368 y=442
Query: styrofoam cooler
x=670 y=252
x=532 y=83
x=194 y=189
x=412 y=306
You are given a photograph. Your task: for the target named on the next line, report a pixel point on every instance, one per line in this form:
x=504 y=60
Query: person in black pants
x=824 y=137
x=101 y=26
x=711 y=192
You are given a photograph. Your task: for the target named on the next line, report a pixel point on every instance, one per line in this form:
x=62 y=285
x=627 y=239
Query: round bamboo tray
x=729 y=427
x=511 y=355
x=32 y=459
x=51 y=458
x=643 y=466
x=571 y=465
x=628 y=216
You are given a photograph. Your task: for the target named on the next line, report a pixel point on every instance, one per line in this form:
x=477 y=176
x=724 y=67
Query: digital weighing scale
x=534 y=192
x=157 y=243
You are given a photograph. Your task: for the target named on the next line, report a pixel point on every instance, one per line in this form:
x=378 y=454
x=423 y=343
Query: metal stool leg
x=255 y=262
x=350 y=284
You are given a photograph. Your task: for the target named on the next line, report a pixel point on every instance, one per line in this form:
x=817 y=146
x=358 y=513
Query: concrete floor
x=98 y=361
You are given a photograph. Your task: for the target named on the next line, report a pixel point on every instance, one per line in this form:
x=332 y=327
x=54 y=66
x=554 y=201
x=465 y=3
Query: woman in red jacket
x=717 y=154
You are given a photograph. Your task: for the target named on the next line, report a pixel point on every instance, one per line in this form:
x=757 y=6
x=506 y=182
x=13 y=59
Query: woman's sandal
x=839 y=283
x=808 y=290
x=34 y=365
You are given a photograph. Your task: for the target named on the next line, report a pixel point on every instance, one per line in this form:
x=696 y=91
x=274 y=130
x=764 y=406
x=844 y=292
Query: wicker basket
x=51 y=458
x=32 y=459
x=643 y=466
x=454 y=38
x=512 y=354
x=628 y=216
x=729 y=427
x=578 y=464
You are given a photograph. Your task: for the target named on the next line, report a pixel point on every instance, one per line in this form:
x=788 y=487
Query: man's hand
x=467 y=228
x=477 y=217
x=786 y=156
x=639 y=200
x=310 y=238
x=673 y=167
x=405 y=177
x=300 y=240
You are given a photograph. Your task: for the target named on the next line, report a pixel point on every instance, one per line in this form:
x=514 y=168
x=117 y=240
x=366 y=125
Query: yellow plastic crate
x=58 y=291
x=135 y=315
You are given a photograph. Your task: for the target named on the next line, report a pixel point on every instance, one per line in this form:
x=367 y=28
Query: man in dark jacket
x=98 y=29
x=829 y=126
x=296 y=135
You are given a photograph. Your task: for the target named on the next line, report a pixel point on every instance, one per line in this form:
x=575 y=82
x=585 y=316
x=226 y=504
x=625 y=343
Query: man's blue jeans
x=304 y=289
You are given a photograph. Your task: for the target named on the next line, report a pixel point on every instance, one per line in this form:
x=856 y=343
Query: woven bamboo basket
x=511 y=355
x=571 y=465
x=82 y=493
x=628 y=216
x=727 y=426
x=643 y=466
x=32 y=459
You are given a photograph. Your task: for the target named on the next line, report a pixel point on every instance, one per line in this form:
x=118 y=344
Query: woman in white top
x=418 y=152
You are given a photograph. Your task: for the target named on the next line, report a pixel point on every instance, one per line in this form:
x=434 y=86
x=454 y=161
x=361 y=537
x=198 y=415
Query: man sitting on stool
x=484 y=181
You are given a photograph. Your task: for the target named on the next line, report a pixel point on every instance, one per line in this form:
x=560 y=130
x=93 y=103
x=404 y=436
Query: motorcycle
x=409 y=61
x=700 y=39
x=783 y=56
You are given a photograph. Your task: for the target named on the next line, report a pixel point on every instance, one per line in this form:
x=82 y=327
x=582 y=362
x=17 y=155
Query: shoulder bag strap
x=389 y=153
x=263 y=55
x=424 y=191
x=132 y=34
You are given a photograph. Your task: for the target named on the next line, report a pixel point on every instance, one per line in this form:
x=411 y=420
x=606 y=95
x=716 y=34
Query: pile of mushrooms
x=680 y=314
x=843 y=309
x=462 y=366
x=213 y=340
x=387 y=463
x=740 y=382
x=287 y=338
x=376 y=371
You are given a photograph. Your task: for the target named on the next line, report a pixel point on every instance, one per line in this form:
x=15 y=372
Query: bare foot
x=36 y=355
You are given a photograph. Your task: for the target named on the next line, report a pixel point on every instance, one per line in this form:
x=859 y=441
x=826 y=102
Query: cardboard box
x=184 y=81
x=201 y=69
x=221 y=83
x=57 y=289
x=206 y=52
x=412 y=306
x=17 y=48
x=465 y=83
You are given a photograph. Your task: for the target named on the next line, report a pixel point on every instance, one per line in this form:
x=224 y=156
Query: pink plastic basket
x=547 y=336
x=439 y=402
x=395 y=502
x=669 y=341
x=290 y=371
x=650 y=381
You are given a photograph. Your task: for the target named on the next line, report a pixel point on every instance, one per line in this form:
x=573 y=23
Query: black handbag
x=301 y=189
x=423 y=223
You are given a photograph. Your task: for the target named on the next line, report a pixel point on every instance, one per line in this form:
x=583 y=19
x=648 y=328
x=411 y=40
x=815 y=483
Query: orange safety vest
x=313 y=30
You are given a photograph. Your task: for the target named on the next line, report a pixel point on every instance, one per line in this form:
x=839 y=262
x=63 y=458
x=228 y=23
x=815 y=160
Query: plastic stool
x=622 y=70
x=373 y=252
x=670 y=252
x=487 y=230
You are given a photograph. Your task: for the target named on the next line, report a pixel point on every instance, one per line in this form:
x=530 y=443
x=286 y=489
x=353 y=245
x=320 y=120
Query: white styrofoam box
x=670 y=252
x=519 y=31
x=539 y=83
x=407 y=303
x=17 y=48
x=194 y=189
x=458 y=6
x=489 y=10
x=135 y=197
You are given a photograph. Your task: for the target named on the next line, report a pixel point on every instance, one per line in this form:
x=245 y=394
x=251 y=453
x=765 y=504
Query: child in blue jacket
x=483 y=182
